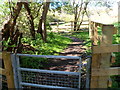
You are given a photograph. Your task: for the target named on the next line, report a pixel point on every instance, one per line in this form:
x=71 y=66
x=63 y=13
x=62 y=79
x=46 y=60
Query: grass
x=83 y=35
x=55 y=43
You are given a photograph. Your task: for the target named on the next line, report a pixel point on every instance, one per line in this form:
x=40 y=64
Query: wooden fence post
x=95 y=57
x=90 y=29
x=57 y=26
x=0 y=71
x=107 y=34
x=95 y=34
x=9 y=69
x=101 y=61
x=71 y=25
x=95 y=65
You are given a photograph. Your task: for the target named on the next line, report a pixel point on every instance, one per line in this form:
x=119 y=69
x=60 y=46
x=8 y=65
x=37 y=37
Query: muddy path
x=71 y=65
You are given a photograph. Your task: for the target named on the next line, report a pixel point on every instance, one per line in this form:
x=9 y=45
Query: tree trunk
x=75 y=19
x=31 y=19
x=84 y=11
x=80 y=9
x=78 y=14
x=42 y=22
x=9 y=28
x=78 y=27
x=15 y=15
x=40 y=26
x=45 y=16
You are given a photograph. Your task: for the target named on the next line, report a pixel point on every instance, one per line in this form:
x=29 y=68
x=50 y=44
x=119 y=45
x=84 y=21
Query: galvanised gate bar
x=38 y=78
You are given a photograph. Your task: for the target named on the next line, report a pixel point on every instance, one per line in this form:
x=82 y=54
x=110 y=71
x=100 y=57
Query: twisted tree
x=11 y=32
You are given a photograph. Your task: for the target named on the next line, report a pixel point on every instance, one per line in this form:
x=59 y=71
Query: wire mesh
x=4 y=82
x=31 y=78
x=62 y=80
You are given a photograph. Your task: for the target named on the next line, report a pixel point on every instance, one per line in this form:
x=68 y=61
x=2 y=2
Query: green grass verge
x=55 y=43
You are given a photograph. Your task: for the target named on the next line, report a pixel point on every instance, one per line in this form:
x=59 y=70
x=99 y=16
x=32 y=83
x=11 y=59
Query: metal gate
x=39 y=78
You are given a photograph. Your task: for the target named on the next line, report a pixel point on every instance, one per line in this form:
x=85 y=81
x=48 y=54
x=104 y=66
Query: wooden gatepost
x=102 y=49
x=7 y=70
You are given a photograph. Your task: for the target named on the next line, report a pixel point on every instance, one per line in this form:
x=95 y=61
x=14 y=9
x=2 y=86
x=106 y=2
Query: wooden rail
x=8 y=70
x=102 y=48
x=76 y=25
x=70 y=26
x=107 y=48
x=106 y=71
x=2 y=71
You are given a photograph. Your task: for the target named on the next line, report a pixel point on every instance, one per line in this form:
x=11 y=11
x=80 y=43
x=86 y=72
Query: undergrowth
x=116 y=78
x=55 y=44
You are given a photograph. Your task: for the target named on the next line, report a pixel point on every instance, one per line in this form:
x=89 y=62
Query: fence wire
x=4 y=82
x=33 y=78
x=51 y=79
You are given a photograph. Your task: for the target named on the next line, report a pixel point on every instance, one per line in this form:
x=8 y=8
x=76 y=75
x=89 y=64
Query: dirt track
x=73 y=49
